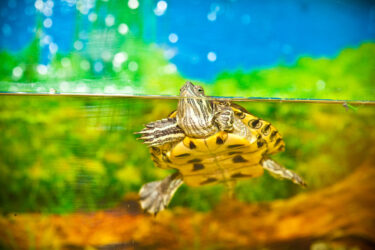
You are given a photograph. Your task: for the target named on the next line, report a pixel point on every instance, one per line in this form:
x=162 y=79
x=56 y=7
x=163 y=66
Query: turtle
x=209 y=141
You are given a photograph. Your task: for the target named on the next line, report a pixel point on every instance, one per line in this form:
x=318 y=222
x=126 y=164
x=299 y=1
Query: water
x=71 y=168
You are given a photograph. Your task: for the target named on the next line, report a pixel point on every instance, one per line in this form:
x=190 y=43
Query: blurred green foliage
x=349 y=76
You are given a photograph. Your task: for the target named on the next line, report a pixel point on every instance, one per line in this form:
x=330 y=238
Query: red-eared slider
x=208 y=142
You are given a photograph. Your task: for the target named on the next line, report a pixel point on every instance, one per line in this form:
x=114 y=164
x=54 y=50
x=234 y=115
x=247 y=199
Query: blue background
x=244 y=34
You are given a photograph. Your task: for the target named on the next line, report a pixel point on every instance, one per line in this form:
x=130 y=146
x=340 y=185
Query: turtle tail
x=156 y=195
x=160 y=132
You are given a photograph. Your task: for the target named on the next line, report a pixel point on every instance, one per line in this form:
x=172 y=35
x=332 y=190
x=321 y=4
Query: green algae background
x=62 y=154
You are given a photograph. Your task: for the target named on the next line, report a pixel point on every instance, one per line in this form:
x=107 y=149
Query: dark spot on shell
x=182 y=155
x=281 y=148
x=266 y=130
x=154 y=158
x=234 y=152
x=219 y=140
x=198 y=166
x=260 y=143
x=238 y=159
x=235 y=145
x=192 y=145
x=240 y=115
x=153 y=155
x=278 y=142
x=194 y=160
x=155 y=150
x=240 y=175
x=255 y=123
x=208 y=180
x=273 y=135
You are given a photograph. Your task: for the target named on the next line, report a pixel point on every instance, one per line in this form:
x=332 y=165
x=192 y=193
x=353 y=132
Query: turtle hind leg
x=279 y=171
x=156 y=195
x=161 y=132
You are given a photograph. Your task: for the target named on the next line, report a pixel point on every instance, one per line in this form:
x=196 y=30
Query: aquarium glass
x=80 y=78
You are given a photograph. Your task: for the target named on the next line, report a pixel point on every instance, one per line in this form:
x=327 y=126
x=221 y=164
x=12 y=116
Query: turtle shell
x=221 y=157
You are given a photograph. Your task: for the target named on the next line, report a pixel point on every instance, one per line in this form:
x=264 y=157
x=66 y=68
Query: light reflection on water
x=345 y=103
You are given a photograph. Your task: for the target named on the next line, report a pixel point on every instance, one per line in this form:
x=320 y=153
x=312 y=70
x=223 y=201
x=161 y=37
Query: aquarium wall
x=80 y=78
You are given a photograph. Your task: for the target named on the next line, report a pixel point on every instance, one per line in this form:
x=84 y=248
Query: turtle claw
x=299 y=181
x=156 y=195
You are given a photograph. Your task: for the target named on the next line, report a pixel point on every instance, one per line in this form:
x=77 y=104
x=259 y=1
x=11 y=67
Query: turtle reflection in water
x=208 y=142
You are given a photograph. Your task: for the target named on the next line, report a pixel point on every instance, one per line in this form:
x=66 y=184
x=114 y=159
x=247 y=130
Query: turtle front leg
x=156 y=195
x=161 y=132
x=224 y=116
x=279 y=171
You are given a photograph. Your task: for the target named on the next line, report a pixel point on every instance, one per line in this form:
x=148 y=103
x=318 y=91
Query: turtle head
x=195 y=114
x=190 y=90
